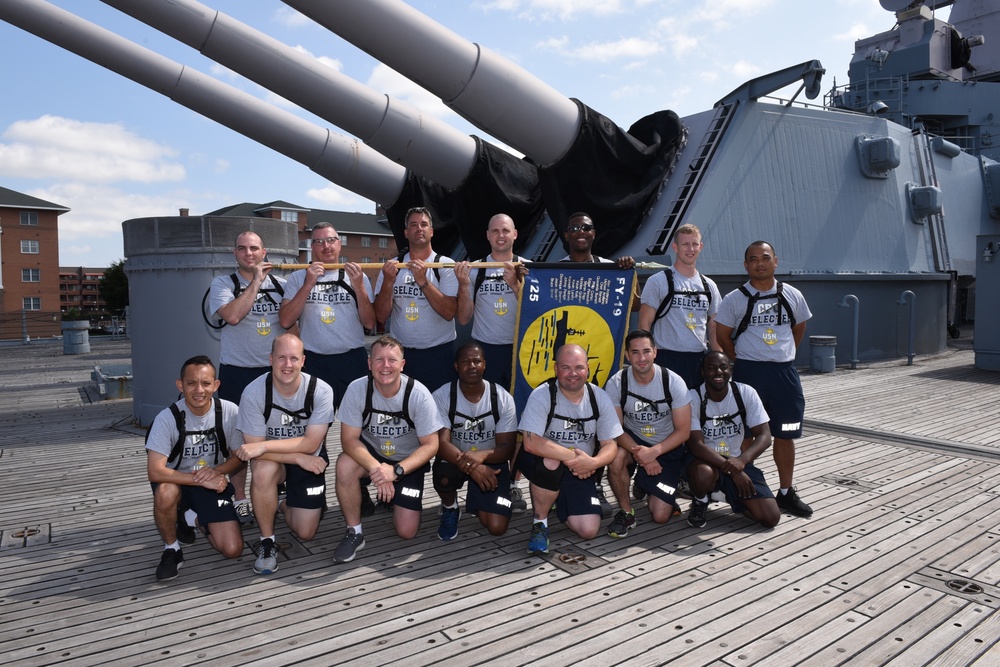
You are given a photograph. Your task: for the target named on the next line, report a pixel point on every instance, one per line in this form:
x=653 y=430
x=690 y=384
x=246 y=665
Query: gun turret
x=587 y=163
x=462 y=179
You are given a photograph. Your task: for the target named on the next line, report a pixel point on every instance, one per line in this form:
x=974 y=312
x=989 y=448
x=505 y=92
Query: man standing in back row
x=759 y=327
x=488 y=297
x=679 y=306
x=419 y=303
x=247 y=301
x=333 y=308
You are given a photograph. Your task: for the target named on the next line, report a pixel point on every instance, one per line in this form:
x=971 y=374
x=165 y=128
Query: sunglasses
x=586 y=227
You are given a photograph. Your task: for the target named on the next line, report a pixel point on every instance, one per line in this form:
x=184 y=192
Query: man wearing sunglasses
x=579 y=235
x=333 y=308
x=654 y=408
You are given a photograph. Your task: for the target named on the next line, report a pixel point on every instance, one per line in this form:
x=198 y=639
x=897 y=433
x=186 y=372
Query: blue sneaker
x=448 y=530
x=539 y=541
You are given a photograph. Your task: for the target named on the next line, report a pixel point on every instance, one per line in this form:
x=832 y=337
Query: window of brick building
x=29 y=218
x=29 y=247
x=31 y=275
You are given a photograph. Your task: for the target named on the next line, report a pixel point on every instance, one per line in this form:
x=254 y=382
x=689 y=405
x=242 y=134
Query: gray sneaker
x=349 y=547
x=518 y=505
x=267 y=557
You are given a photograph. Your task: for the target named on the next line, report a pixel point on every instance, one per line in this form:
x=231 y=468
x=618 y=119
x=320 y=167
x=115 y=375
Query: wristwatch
x=398 y=471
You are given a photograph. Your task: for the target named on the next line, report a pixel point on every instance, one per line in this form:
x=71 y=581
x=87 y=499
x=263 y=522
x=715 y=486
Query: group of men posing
x=673 y=413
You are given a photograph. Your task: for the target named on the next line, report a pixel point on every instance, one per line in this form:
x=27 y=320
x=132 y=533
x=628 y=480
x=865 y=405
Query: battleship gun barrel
x=398 y=130
x=340 y=159
x=489 y=91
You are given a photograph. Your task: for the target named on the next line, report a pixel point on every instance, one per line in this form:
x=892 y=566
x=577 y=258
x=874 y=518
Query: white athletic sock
x=270 y=537
x=176 y=546
x=356 y=529
x=783 y=490
x=544 y=522
x=454 y=505
x=190 y=517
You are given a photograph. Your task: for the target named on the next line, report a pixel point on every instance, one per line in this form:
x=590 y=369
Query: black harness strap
x=741 y=408
x=667 y=398
x=306 y=410
x=752 y=300
x=404 y=414
x=470 y=421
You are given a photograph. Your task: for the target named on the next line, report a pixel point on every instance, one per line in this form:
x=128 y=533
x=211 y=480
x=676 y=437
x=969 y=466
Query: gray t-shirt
x=473 y=427
x=287 y=419
x=765 y=339
x=329 y=323
x=387 y=432
x=683 y=328
x=201 y=444
x=248 y=344
x=647 y=415
x=723 y=429
x=412 y=321
x=495 y=314
x=573 y=425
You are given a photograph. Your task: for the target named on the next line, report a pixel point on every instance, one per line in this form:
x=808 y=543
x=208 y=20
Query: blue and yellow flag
x=585 y=304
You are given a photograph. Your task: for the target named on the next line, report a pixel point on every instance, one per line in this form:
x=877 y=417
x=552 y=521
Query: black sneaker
x=696 y=515
x=349 y=546
x=621 y=524
x=185 y=533
x=791 y=503
x=367 y=506
x=638 y=492
x=170 y=561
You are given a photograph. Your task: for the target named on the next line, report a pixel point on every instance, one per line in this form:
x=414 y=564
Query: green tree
x=113 y=287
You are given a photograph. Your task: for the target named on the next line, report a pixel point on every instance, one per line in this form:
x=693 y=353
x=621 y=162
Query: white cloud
x=386 y=80
x=627 y=47
x=744 y=70
x=564 y=10
x=56 y=147
x=853 y=34
x=291 y=17
x=337 y=197
x=633 y=92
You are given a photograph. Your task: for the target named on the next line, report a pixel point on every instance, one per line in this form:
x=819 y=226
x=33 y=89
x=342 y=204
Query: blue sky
x=76 y=134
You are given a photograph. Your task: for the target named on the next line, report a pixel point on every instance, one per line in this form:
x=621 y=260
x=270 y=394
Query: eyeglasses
x=330 y=240
x=585 y=227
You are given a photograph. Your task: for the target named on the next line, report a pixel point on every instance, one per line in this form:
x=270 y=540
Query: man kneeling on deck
x=284 y=417
x=569 y=428
x=653 y=405
x=187 y=460
x=475 y=446
x=722 y=412
x=389 y=433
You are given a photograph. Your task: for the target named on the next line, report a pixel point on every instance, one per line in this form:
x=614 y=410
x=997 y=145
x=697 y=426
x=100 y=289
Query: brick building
x=29 y=266
x=365 y=237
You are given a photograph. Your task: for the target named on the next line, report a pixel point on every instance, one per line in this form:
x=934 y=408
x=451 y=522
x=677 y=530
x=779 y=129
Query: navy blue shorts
x=433 y=366
x=496 y=501
x=337 y=370
x=499 y=360
x=685 y=364
x=211 y=507
x=306 y=490
x=726 y=486
x=409 y=489
x=664 y=485
x=234 y=379
x=780 y=391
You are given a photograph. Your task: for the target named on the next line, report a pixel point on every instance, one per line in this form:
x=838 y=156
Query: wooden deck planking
x=909 y=510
